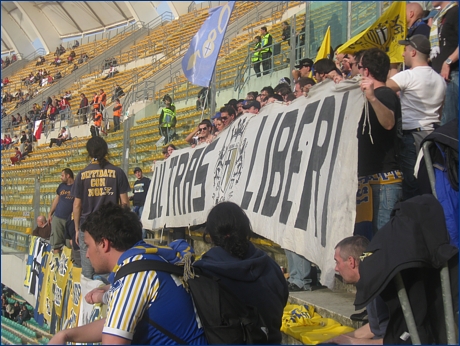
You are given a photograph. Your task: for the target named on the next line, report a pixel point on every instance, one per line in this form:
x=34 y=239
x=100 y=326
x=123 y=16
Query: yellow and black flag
x=325 y=49
x=384 y=34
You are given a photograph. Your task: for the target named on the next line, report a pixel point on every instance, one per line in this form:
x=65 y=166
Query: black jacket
x=414 y=243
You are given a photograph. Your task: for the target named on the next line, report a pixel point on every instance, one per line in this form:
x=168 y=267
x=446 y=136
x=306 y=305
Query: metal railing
x=14 y=242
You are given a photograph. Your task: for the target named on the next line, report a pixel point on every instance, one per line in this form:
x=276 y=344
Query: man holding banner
x=379 y=178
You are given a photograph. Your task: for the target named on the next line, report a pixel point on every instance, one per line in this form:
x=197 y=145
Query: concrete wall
x=14 y=273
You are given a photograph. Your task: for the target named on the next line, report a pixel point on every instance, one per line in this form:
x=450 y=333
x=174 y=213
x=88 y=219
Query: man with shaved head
x=415 y=25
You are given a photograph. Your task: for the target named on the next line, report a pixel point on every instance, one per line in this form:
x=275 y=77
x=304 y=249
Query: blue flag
x=201 y=58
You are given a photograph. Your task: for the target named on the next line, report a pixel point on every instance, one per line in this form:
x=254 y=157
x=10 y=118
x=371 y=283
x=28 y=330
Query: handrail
x=36 y=53
x=241 y=72
x=92 y=65
x=191 y=7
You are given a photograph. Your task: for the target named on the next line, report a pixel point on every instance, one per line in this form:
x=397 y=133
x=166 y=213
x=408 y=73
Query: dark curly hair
x=117 y=224
x=229 y=228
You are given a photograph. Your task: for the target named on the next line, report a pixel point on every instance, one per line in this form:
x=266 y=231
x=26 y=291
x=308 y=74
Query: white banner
x=293 y=169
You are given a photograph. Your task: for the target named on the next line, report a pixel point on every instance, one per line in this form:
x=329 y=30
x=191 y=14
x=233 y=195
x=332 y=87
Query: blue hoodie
x=257 y=280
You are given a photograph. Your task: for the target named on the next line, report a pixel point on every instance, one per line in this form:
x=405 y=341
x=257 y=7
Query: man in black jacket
x=83 y=110
x=347 y=260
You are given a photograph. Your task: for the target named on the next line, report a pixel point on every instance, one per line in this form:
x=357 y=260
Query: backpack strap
x=147 y=265
x=167 y=333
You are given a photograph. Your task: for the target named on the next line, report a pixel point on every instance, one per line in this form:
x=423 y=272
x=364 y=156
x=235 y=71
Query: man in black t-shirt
x=380 y=181
x=140 y=189
x=444 y=54
x=97 y=184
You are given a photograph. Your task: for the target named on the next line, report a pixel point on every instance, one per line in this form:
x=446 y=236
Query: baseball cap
x=419 y=42
x=215 y=116
x=431 y=15
x=285 y=80
x=255 y=104
x=304 y=62
x=137 y=169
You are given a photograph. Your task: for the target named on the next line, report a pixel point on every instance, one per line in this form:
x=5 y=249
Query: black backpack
x=225 y=319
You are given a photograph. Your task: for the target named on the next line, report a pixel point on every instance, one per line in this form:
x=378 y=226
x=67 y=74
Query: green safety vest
x=168 y=117
x=257 y=55
x=265 y=44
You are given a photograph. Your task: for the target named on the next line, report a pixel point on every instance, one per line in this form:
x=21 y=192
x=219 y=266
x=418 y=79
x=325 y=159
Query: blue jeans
x=384 y=198
x=299 y=269
x=138 y=210
x=450 y=109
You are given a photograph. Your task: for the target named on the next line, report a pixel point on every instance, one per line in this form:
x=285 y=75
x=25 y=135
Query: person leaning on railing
x=83 y=109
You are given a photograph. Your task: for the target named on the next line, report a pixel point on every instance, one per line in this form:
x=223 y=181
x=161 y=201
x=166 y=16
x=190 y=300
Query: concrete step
x=337 y=305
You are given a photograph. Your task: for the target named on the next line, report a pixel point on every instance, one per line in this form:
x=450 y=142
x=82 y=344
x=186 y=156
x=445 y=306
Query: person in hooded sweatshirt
x=253 y=276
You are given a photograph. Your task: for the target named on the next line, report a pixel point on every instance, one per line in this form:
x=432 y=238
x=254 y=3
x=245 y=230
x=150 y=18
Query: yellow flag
x=384 y=34
x=325 y=49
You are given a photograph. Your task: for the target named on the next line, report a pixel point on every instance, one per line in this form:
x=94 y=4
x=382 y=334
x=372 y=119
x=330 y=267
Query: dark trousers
x=407 y=159
x=266 y=62
x=257 y=68
x=116 y=123
x=94 y=131
x=58 y=141
x=168 y=133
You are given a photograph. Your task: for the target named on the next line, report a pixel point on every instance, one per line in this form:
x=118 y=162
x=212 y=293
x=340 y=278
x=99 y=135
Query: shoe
x=318 y=287
x=360 y=316
x=294 y=288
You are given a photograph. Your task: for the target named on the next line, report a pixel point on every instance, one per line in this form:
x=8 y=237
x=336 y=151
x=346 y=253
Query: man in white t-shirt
x=422 y=93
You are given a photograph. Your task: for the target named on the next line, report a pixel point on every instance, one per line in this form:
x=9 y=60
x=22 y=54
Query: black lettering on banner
x=200 y=178
x=279 y=162
x=265 y=169
x=156 y=208
x=172 y=164
x=296 y=157
x=183 y=159
x=188 y=180
x=247 y=194
x=335 y=149
x=317 y=157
